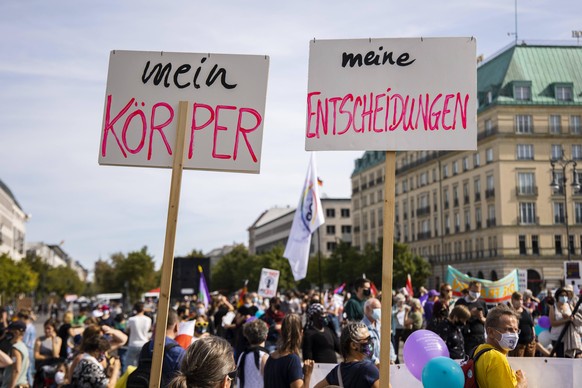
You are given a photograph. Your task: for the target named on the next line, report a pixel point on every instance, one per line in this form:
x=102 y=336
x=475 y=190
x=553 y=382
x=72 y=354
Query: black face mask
x=367 y=292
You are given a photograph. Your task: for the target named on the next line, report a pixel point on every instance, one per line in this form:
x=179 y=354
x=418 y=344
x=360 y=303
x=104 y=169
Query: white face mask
x=60 y=377
x=474 y=295
x=563 y=299
x=508 y=341
x=377 y=314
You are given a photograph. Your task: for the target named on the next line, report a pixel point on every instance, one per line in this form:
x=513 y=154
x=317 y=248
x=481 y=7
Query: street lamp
x=556 y=184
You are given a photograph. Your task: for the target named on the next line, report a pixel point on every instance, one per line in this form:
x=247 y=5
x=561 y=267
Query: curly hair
x=350 y=333
x=205 y=364
x=291 y=334
x=255 y=331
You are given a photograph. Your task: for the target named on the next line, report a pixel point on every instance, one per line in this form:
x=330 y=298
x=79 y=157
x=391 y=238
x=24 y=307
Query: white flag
x=308 y=217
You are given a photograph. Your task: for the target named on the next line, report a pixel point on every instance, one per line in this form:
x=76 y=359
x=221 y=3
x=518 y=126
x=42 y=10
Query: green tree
x=405 y=262
x=63 y=280
x=103 y=275
x=16 y=277
x=132 y=275
x=229 y=274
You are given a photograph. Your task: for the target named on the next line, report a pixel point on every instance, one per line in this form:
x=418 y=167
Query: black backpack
x=140 y=377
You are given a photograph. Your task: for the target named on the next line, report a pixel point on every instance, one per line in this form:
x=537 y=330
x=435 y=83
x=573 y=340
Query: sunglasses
x=232 y=375
x=201 y=324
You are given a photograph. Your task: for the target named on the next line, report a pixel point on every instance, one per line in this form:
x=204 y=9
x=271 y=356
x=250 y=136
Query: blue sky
x=53 y=70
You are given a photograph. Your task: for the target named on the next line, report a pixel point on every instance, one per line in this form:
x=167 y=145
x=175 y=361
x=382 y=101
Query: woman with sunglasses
x=208 y=363
x=357 y=370
x=283 y=368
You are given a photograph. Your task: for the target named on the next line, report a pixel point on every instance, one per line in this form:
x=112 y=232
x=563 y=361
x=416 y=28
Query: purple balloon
x=421 y=347
x=544 y=322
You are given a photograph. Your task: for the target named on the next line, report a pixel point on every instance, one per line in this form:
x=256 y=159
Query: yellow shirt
x=493 y=370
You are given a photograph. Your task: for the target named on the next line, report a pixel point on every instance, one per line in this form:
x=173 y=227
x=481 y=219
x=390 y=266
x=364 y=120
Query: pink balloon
x=544 y=322
x=421 y=347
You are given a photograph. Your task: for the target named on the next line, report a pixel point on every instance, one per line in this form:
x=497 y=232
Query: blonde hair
x=291 y=334
x=206 y=363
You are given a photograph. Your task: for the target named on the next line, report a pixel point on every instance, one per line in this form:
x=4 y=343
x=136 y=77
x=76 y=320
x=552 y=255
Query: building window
x=346 y=229
x=477 y=187
x=457 y=222
x=467 y=220
x=526 y=183
x=465 y=163
x=523 y=124
x=330 y=229
x=558 y=243
x=455 y=196
x=535 y=245
x=330 y=213
x=522 y=92
x=446 y=171
x=380 y=217
x=345 y=213
x=559 y=215
x=478 y=219
x=575 y=125
x=522 y=246
x=331 y=246
x=578 y=212
x=525 y=152
x=556 y=151
x=577 y=151
x=490 y=182
x=489 y=155
x=563 y=92
x=455 y=167
x=527 y=213
x=555 y=124
x=476 y=159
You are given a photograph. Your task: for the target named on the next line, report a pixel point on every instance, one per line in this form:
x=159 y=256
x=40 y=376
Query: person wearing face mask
x=357 y=370
x=492 y=368
x=372 y=316
x=449 y=329
x=560 y=313
x=320 y=343
x=354 y=308
x=474 y=330
x=526 y=346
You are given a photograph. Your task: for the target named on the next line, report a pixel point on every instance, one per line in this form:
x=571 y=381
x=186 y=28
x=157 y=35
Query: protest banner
x=268 y=283
x=522 y=276
x=156 y=103
x=226 y=94
x=491 y=291
x=391 y=95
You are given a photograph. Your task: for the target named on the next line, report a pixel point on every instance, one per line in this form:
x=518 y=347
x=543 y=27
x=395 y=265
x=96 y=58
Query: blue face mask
x=563 y=299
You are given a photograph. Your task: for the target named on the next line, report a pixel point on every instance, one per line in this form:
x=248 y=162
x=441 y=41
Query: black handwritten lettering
x=373 y=59
x=162 y=73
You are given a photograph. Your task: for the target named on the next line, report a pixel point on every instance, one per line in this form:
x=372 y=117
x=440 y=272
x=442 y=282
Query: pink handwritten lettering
x=384 y=112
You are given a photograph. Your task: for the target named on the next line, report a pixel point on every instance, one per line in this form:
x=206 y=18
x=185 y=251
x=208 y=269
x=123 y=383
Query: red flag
x=373 y=289
x=241 y=295
x=409 y=286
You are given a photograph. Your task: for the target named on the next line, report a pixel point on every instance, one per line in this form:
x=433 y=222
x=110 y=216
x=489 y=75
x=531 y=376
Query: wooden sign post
x=182 y=111
x=168 y=261
x=391 y=95
x=387 y=266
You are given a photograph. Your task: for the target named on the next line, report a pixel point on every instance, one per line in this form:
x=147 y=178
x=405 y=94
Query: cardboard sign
x=392 y=94
x=268 y=283
x=491 y=291
x=226 y=94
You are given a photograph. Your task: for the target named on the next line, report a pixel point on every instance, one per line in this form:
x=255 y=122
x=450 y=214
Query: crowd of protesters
x=267 y=342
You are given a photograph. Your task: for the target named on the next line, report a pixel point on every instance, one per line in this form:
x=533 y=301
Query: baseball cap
x=17 y=325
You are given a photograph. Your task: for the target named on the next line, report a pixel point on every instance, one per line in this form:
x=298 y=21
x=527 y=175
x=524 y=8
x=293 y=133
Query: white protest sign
x=226 y=94
x=392 y=94
x=268 y=283
x=522 y=279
